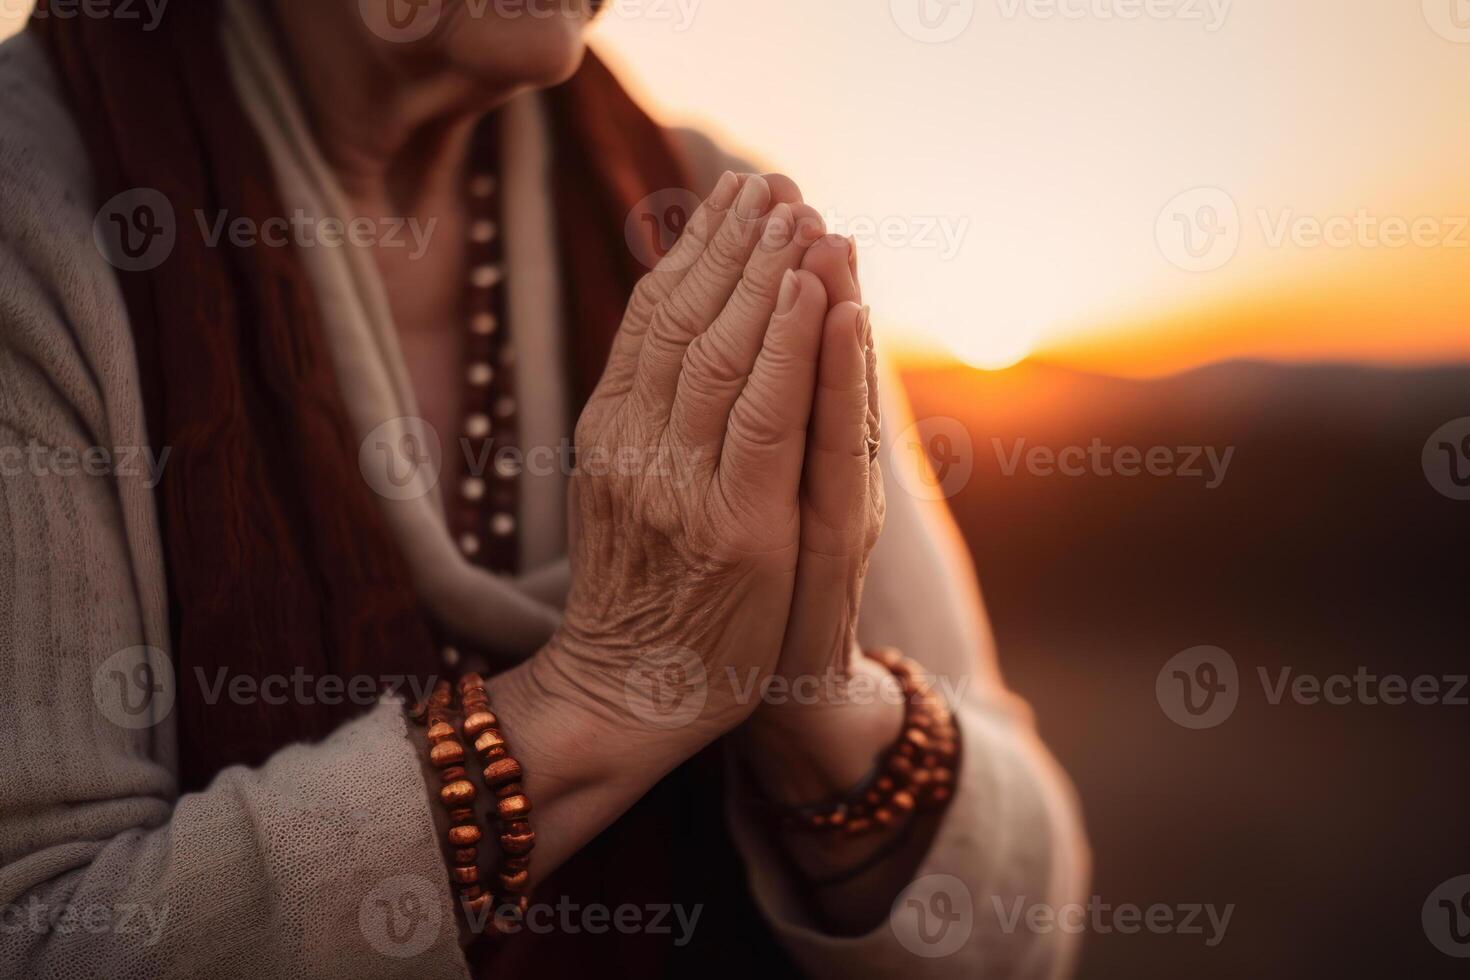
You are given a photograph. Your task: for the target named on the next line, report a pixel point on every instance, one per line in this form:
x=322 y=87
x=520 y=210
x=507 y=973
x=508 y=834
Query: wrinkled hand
x=686 y=515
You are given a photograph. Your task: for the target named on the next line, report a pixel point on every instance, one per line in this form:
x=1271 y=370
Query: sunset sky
x=1027 y=186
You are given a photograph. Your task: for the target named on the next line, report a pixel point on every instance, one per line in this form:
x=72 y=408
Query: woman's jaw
x=387 y=105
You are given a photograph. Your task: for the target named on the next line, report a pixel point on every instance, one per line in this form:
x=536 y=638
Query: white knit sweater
x=322 y=862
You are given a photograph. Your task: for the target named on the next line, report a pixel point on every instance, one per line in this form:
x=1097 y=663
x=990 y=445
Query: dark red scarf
x=277 y=555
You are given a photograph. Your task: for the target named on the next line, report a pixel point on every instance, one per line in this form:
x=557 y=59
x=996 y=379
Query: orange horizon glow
x=1049 y=150
x=1063 y=143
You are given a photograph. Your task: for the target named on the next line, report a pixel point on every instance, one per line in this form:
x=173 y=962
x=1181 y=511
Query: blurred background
x=1237 y=231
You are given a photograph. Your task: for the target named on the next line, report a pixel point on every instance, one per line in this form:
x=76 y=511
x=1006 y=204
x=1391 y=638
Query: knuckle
x=645 y=299
x=676 y=320
x=710 y=360
x=756 y=423
x=758 y=288
x=726 y=253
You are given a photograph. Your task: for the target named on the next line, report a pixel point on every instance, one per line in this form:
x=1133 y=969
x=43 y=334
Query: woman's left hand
x=829 y=712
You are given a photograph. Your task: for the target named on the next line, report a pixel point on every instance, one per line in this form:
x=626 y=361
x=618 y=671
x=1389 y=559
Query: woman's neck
x=395 y=133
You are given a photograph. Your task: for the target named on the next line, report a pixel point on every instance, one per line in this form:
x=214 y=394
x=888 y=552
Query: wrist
x=807 y=750
x=585 y=761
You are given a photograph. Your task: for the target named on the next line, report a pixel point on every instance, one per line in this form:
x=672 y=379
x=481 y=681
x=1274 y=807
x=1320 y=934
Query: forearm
x=309 y=853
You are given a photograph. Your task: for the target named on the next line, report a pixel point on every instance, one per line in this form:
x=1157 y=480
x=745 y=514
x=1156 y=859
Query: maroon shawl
x=278 y=558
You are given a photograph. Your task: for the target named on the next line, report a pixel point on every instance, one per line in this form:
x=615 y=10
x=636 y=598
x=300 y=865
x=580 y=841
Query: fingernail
x=724 y=191
x=753 y=197
x=790 y=291
x=779 y=228
x=852 y=256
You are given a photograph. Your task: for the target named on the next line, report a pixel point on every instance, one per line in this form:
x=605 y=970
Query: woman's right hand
x=684 y=518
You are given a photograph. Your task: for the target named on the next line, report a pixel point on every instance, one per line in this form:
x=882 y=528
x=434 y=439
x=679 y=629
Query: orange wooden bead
x=457 y=793
x=502 y=771
x=438 y=732
x=465 y=855
x=488 y=741
x=512 y=807
x=477 y=908
x=447 y=753
x=902 y=802
x=470 y=681
x=461 y=814
x=512 y=842
x=859 y=826
x=515 y=862
x=465 y=875
x=477 y=723
x=451 y=774
x=464 y=835
x=509 y=789
x=514 y=881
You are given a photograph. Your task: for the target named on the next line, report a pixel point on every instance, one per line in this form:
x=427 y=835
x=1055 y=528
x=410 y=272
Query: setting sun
x=1063 y=155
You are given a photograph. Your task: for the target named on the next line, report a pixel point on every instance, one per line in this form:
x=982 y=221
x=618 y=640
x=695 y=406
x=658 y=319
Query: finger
x=720 y=360
x=656 y=286
x=783 y=189
x=697 y=300
x=765 y=440
x=835 y=477
x=834 y=261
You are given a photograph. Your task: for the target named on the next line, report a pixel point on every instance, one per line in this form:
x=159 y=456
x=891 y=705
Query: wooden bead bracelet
x=915 y=774
x=501 y=775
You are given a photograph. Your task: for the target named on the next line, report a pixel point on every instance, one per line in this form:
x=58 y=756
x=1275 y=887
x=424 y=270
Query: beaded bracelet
x=502 y=775
x=915 y=773
x=457 y=793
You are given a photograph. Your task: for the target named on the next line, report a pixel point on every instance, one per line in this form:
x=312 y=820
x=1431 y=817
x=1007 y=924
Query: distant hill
x=1323 y=550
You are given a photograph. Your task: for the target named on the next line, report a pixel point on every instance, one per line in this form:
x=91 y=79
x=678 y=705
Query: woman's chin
x=546 y=55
